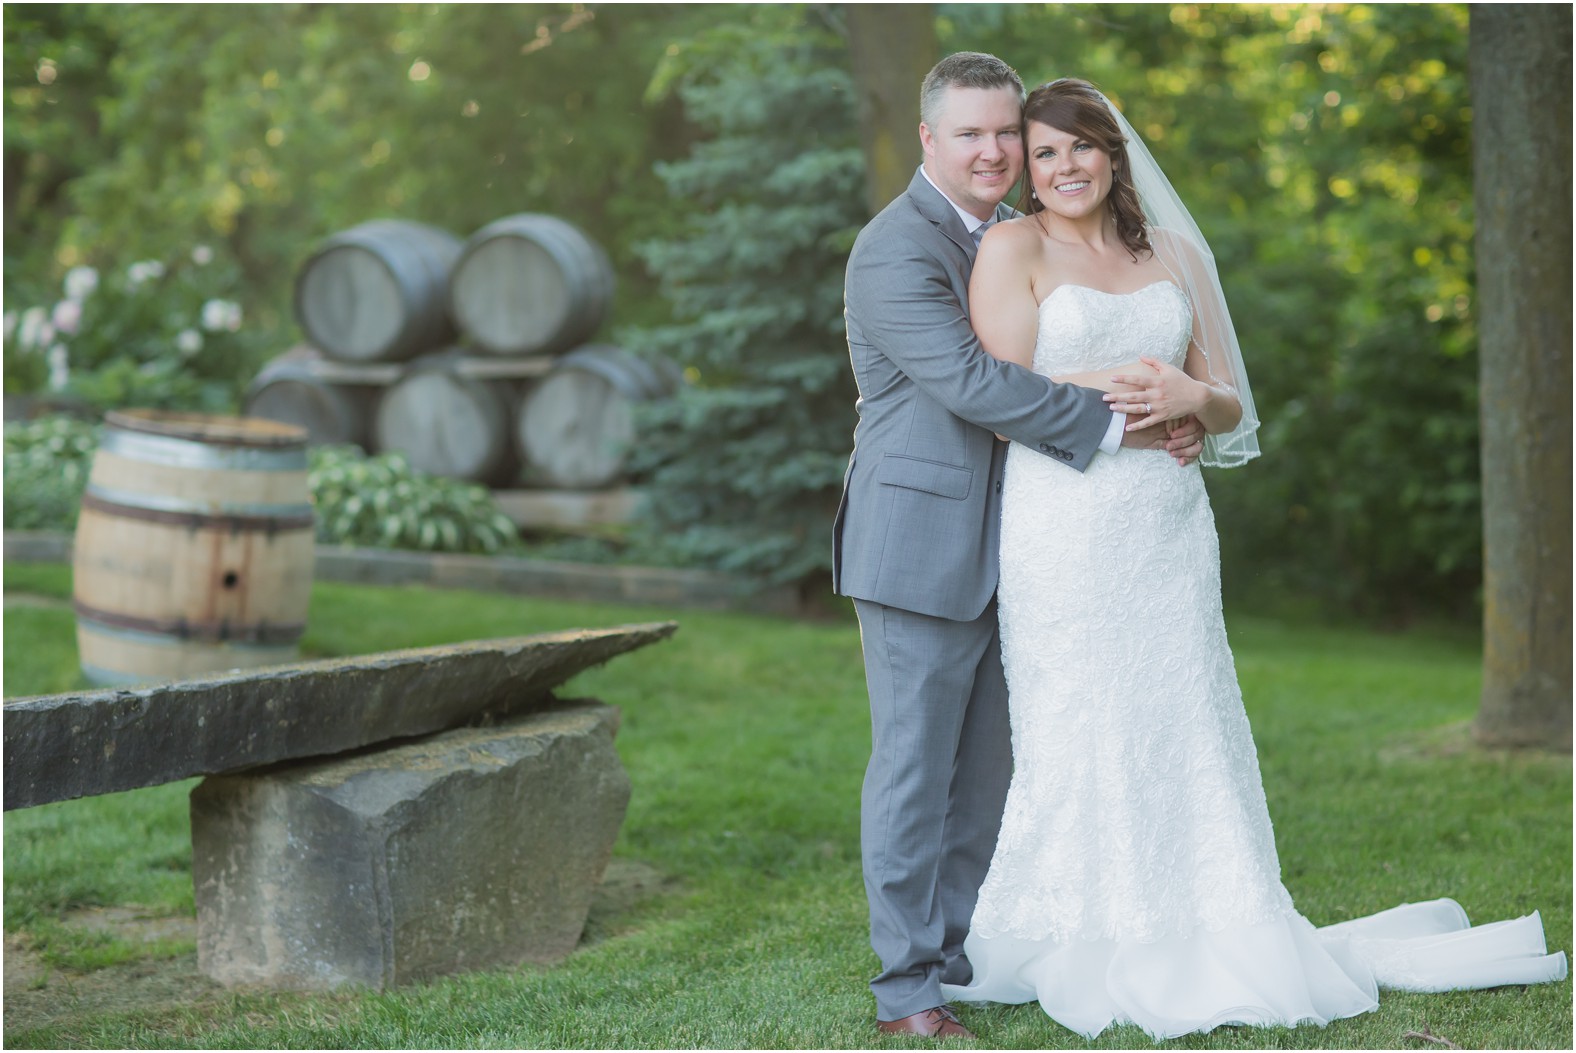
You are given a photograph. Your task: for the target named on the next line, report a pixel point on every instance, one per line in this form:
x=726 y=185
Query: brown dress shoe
x=940 y=1022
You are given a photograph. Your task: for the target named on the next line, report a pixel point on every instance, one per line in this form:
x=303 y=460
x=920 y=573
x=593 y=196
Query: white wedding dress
x=1135 y=877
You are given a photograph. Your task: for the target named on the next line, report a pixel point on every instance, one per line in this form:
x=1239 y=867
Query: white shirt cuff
x=1113 y=434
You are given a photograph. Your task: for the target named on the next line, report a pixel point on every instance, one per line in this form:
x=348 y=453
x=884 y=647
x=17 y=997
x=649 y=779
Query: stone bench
x=369 y=821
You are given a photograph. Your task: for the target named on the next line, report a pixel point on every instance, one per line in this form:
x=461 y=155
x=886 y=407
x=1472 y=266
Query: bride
x=1135 y=877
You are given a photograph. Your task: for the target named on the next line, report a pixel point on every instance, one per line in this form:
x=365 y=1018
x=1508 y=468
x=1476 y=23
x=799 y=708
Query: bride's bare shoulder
x=1017 y=236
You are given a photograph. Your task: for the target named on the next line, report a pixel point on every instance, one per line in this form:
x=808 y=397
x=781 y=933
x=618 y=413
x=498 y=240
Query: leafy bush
x=46 y=467
x=382 y=502
x=154 y=334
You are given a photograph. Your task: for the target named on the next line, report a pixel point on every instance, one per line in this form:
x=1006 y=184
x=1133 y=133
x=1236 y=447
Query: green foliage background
x=1325 y=149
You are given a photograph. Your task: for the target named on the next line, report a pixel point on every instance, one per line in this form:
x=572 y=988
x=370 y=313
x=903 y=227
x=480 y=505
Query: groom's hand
x=1154 y=437
x=1185 y=439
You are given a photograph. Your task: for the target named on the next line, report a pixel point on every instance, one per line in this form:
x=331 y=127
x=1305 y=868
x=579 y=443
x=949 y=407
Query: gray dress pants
x=940 y=764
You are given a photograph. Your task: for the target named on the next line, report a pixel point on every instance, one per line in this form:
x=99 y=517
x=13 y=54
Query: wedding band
x=1147 y=409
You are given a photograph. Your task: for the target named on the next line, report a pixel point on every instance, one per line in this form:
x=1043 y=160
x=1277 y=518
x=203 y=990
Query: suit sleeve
x=919 y=323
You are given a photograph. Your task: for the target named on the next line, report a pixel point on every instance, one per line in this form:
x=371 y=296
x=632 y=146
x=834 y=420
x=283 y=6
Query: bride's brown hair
x=1074 y=106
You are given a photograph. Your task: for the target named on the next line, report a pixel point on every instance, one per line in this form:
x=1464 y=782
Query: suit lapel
x=934 y=206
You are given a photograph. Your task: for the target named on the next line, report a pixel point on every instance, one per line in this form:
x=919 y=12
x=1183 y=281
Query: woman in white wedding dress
x=1135 y=877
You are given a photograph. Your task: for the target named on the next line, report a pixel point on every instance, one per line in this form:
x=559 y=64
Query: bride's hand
x=1163 y=392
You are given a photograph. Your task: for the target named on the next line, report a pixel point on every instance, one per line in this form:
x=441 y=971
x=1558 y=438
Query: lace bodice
x=1083 y=329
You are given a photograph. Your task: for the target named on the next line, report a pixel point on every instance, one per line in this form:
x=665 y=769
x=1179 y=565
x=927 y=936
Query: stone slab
x=471 y=849
x=58 y=747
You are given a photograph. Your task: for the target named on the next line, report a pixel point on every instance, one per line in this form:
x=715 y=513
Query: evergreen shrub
x=744 y=466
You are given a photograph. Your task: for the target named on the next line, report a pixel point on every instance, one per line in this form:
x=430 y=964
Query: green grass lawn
x=746 y=739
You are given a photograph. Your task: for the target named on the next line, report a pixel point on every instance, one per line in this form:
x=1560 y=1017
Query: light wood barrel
x=576 y=425
x=194 y=547
x=530 y=283
x=447 y=423
x=378 y=291
x=292 y=389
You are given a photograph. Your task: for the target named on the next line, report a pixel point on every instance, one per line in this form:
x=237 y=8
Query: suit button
x=998 y=486
x=1046 y=447
x=1066 y=456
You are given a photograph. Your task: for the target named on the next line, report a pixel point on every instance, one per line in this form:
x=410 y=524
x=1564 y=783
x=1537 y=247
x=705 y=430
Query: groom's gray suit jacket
x=918 y=526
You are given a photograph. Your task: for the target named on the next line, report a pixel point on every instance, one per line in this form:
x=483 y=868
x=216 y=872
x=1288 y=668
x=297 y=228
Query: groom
x=916 y=536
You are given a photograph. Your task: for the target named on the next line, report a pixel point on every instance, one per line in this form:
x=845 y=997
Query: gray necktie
x=979 y=231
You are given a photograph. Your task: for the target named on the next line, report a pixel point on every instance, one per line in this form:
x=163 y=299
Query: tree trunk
x=890 y=48
x=1520 y=58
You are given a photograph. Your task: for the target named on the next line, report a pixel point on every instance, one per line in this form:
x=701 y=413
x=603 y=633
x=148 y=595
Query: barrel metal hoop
x=286 y=510
x=187 y=453
x=149 y=509
x=261 y=634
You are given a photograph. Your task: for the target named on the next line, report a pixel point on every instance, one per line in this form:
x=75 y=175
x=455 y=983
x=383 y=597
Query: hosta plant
x=382 y=502
x=46 y=467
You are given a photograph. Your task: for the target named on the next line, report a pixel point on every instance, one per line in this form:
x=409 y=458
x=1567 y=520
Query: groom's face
x=973 y=152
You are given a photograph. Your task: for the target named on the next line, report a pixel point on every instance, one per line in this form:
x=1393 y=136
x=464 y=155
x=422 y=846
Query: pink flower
x=30 y=332
x=59 y=371
x=143 y=271
x=80 y=283
x=221 y=314
x=67 y=316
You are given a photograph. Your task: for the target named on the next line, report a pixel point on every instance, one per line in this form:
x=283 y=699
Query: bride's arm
x=1002 y=307
x=1156 y=390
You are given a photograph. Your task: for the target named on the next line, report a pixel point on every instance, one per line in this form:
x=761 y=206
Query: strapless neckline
x=1089 y=288
x=1095 y=329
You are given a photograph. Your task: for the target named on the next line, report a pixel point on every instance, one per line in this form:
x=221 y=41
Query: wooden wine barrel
x=378 y=291
x=530 y=283
x=194 y=547
x=447 y=423
x=576 y=425
x=293 y=389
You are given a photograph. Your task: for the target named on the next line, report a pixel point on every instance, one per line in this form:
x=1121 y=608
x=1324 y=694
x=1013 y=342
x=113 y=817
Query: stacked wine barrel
x=472 y=358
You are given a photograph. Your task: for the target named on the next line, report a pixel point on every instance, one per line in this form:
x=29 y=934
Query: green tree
x=261 y=129
x=746 y=463
x=57 y=59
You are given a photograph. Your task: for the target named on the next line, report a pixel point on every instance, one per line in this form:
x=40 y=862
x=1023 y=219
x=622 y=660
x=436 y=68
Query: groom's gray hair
x=964 y=69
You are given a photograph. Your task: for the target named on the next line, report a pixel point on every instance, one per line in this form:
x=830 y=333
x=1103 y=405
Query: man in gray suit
x=917 y=534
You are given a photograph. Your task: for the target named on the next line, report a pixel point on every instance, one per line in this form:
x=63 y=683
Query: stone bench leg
x=472 y=849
